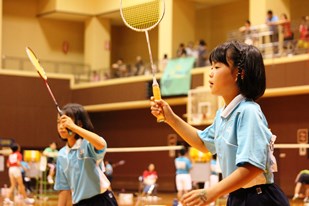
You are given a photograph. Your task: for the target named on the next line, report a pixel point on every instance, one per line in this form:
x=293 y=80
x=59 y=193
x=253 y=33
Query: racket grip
x=157 y=96
x=61 y=113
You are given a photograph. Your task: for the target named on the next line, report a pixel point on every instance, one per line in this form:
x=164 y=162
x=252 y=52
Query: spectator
x=303 y=42
x=150 y=177
x=271 y=21
x=51 y=153
x=202 y=58
x=95 y=76
x=163 y=63
x=192 y=51
x=247 y=32
x=288 y=35
x=181 y=51
x=119 y=69
x=302 y=179
x=139 y=66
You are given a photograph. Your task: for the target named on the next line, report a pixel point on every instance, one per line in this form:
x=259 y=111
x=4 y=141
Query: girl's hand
x=158 y=107
x=67 y=122
x=200 y=197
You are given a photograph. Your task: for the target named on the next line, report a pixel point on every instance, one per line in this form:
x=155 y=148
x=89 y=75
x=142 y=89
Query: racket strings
x=142 y=16
x=34 y=60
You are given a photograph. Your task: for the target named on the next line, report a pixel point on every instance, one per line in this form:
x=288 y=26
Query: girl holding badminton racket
x=239 y=134
x=80 y=169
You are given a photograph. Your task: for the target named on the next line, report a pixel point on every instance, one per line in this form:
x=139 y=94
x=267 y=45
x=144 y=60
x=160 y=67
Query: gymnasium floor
x=163 y=199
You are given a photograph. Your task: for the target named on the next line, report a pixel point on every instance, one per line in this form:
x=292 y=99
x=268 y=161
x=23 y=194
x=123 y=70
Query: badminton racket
x=142 y=16
x=35 y=61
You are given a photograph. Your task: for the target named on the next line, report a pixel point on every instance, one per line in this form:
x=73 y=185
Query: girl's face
x=222 y=81
x=62 y=130
x=151 y=167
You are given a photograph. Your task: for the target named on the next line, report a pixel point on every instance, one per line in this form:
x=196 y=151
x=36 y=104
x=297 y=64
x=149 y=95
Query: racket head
x=141 y=15
x=35 y=62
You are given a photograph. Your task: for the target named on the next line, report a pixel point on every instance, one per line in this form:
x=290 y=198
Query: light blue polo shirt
x=183 y=165
x=81 y=170
x=239 y=135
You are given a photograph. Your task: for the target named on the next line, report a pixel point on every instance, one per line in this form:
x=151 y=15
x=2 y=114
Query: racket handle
x=61 y=113
x=157 y=96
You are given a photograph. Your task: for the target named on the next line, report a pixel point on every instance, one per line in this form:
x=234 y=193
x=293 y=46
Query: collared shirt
x=273 y=28
x=240 y=135
x=183 y=165
x=81 y=170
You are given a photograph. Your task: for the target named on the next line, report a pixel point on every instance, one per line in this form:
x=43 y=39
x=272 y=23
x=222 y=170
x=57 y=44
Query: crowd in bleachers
x=121 y=69
x=295 y=40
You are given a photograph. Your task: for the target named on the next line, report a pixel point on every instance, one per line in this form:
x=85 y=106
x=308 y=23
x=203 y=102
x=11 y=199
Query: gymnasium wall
x=21 y=28
x=28 y=113
x=123 y=46
x=213 y=24
x=29 y=116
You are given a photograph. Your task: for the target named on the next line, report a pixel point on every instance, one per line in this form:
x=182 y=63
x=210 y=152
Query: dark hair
x=14 y=147
x=270 y=12
x=248 y=60
x=202 y=42
x=79 y=116
x=182 y=152
x=284 y=15
x=248 y=22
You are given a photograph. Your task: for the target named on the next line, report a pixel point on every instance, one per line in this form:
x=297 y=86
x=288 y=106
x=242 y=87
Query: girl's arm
x=97 y=141
x=65 y=198
x=94 y=139
x=186 y=131
x=239 y=178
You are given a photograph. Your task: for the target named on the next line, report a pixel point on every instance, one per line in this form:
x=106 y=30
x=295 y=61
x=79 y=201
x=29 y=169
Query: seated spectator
x=95 y=77
x=51 y=153
x=139 y=66
x=150 y=177
x=119 y=69
x=302 y=179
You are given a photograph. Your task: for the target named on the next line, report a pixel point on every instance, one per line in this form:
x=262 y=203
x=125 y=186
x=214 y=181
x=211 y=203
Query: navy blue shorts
x=303 y=178
x=105 y=199
x=259 y=195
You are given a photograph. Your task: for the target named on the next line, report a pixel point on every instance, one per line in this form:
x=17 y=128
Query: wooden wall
x=28 y=113
x=29 y=116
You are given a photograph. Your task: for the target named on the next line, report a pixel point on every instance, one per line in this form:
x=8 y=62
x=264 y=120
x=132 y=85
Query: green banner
x=176 y=79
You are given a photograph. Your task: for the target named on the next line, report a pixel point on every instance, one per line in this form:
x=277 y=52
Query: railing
x=260 y=36
x=81 y=72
